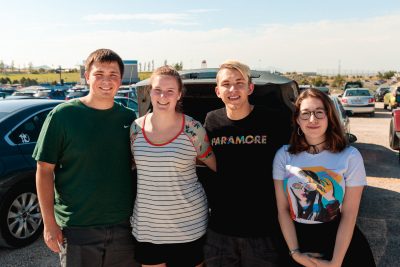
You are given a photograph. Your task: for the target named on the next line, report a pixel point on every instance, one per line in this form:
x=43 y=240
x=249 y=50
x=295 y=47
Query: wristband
x=294 y=251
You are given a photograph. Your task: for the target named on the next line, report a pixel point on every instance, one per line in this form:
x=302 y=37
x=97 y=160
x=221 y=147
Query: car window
x=28 y=131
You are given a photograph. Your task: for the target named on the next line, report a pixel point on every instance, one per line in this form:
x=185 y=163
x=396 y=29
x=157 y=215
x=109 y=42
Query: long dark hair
x=335 y=138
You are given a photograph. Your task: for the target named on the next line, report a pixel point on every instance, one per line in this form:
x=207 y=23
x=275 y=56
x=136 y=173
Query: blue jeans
x=227 y=251
x=98 y=246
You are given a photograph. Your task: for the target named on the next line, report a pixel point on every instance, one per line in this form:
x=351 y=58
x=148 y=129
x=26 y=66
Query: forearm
x=343 y=237
x=348 y=219
x=45 y=191
x=288 y=229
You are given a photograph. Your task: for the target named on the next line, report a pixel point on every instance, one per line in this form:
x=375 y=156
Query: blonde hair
x=236 y=65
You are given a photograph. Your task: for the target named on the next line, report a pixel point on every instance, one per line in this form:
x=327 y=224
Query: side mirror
x=340 y=95
x=351 y=137
x=349 y=112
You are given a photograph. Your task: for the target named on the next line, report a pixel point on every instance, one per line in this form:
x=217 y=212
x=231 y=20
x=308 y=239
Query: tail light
x=344 y=100
x=371 y=100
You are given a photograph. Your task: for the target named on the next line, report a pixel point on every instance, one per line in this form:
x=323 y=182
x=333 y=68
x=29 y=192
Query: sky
x=285 y=35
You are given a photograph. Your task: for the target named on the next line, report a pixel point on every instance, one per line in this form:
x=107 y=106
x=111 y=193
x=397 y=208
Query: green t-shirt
x=91 y=150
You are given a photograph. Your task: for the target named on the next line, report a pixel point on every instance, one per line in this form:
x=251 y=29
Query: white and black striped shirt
x=171 y=205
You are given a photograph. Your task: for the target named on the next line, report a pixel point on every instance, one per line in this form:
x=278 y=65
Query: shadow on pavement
x=379 y=161
x=379 y=219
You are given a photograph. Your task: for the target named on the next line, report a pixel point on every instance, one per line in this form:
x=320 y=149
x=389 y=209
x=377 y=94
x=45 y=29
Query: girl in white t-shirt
x=319 y=181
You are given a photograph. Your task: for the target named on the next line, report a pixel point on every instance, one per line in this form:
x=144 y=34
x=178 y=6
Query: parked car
x=20 y=124
x=323 y=89
x=359 y=100
x=199 y=97
x=127 y=91
x=75 y=93
x=381 y=92
x=356 y=84
x=50 y=94
x=344 y=118
x=272 y=90
x=392 y=98
x=127 y=102
x=394 y=132
x=6 y=92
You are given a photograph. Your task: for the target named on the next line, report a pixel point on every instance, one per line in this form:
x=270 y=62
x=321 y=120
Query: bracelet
x=294 y=251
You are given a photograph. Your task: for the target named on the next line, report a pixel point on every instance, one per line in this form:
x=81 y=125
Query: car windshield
x=357 y=93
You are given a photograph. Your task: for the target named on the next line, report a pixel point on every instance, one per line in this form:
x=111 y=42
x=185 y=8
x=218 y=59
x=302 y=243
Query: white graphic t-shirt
x=315 y=184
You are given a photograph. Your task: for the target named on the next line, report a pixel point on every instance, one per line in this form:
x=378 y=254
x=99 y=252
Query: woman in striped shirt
x=170 y=213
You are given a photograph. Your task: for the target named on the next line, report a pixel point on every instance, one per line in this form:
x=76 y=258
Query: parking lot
x=379 y=215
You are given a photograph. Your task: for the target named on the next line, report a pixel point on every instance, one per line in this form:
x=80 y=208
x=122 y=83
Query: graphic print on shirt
x=314 y=193
x=239 y=140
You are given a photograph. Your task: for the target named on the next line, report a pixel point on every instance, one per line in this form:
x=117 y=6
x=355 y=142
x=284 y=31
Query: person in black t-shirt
x=243 y=228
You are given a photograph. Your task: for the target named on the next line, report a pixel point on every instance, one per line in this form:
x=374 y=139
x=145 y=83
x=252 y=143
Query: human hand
x=53 y=236
x=305 y=259
x=324 y=263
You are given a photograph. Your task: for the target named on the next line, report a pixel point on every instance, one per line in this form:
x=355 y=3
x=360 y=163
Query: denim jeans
x=98 y=246
x=227 y=251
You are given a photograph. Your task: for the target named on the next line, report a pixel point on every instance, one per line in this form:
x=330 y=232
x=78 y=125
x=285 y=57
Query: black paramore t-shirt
x=241 y=197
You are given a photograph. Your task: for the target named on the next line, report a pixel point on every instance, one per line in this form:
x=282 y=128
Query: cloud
x=356 y=45
x=162 y=18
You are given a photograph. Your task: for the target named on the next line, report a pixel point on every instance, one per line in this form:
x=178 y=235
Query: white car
x=359 y=100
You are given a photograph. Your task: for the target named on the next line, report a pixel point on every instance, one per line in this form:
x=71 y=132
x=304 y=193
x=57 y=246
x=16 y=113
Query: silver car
x=359 y=100
x=343 y=118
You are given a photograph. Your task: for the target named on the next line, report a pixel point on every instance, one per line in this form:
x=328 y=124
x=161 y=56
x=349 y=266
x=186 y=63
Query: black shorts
x=187 y=254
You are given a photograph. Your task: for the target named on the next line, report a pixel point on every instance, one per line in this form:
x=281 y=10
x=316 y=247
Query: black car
x=20 y=124
x=271 y=90
x=199 y=97
x=51 y=94
x=381 y=92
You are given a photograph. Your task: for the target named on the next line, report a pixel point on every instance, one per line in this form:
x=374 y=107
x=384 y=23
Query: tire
x=394 y=141
x=20 y=218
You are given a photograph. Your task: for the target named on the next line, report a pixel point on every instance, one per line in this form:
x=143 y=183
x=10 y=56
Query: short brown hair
x=335 y=138
x=104 y=56
x=236 y=65
x=169 y=71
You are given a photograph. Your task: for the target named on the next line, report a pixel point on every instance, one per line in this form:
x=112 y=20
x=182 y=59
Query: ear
x=251 y=88
x=217 y=92
x=87 y=77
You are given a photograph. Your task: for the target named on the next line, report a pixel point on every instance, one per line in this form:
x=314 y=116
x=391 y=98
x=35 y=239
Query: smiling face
x=233 y=89
x=104 y=79
x=313 y=128
x=164 y=93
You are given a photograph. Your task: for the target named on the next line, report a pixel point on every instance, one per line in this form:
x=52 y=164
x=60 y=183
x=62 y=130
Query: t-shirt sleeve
x=279 y=164
x=49 y=145
x=355 y=174
x=198 y=136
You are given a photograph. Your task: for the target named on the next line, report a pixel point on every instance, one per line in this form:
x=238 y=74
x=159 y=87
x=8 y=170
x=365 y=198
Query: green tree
x=389 y=74
x=178 y=66
x=338 y=81
x=2 y=66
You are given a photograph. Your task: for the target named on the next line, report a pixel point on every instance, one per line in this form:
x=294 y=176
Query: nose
x=312 y=117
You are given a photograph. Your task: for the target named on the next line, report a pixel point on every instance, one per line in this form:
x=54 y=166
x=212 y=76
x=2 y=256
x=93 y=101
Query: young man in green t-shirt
x=84 y=179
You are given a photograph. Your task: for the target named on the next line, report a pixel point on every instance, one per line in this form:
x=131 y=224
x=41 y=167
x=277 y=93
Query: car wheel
x=20 y=218
x=372 y=114
x=393 y=139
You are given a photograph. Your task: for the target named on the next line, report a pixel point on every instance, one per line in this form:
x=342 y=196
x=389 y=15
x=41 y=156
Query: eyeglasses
x=306 y=115
x=307 y=186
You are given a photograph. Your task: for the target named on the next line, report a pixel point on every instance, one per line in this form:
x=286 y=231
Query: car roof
x=13 y=105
